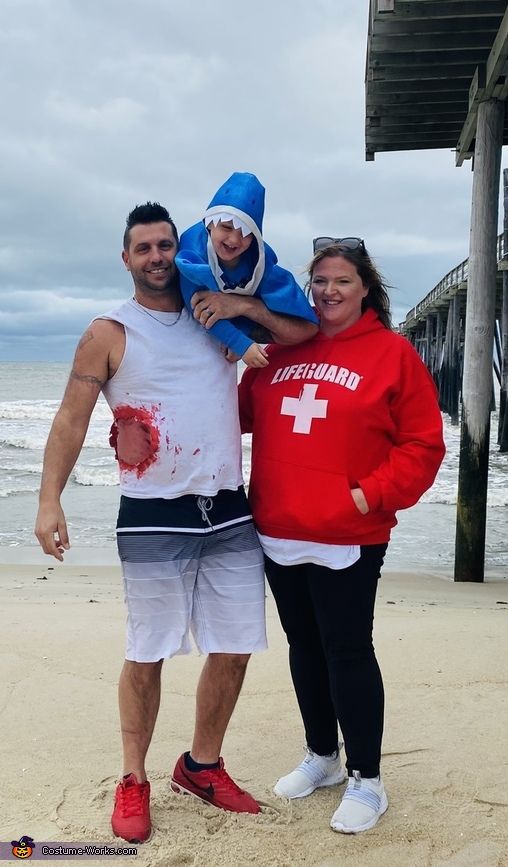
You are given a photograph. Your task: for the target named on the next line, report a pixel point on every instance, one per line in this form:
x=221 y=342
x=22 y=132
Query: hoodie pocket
x=303 y=502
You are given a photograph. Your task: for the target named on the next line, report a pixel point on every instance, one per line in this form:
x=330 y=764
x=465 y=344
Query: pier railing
x=436 y=328
x=455 y=277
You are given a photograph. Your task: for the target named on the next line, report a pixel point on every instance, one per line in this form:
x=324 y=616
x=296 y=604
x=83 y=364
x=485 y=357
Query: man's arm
x=276 y=327
x=90 y=370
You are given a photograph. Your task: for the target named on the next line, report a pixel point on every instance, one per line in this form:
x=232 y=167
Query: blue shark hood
x=242 y=194
x=242 y=200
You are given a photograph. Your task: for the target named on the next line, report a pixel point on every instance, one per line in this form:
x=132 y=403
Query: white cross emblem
x=305 y=408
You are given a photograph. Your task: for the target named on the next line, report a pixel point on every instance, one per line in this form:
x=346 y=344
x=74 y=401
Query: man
x=190 y=556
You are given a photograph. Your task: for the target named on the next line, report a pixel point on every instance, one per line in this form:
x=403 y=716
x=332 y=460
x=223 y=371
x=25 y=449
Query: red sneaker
x=214 y=786
x=131 y=814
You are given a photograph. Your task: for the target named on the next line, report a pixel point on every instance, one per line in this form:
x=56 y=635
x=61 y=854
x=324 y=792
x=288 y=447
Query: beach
x=443 y=649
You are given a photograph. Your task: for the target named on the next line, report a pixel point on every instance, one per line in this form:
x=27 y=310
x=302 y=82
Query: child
x=225 y=252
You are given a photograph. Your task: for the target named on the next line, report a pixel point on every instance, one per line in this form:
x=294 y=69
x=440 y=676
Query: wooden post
x=498 y=353
x=503 y=397
x=428 y=341
x=479 y=338
x=454 y=361
x=439 y=345
x=444 y=373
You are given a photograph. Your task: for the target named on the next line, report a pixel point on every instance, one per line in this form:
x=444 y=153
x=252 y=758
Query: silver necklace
x=146 y=312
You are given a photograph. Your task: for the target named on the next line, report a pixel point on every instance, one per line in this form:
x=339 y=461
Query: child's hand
x=229 y=355
x=255 y=356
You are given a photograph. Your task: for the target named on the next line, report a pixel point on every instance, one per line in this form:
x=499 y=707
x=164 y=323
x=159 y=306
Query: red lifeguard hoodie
x=334 y=413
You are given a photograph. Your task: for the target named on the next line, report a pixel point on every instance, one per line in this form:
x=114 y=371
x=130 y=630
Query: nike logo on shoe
x=213 y=785
x=209 y=790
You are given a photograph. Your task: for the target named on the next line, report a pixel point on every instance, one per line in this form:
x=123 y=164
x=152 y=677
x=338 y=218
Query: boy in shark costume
x=225 y=252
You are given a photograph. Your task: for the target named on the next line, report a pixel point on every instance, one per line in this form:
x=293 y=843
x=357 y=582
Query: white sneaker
x=315 y=771
x=363 y=803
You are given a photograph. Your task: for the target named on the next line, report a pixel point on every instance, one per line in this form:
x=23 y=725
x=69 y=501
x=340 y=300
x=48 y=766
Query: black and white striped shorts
x=192 y=564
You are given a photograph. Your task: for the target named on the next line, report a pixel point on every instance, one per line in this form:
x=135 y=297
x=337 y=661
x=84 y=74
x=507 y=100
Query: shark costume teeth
x=224 y=217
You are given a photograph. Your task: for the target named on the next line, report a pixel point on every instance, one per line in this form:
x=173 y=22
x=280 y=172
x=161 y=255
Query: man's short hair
x=150 y=212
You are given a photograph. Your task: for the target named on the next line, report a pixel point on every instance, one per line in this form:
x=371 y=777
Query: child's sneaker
x=131 y=814
x=213 y=785
x=315 y=771
x=363 y=803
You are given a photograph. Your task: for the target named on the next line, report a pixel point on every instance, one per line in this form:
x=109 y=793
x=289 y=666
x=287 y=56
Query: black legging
x=327 y=616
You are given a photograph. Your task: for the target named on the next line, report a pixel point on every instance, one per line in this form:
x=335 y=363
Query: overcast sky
x=108 y=103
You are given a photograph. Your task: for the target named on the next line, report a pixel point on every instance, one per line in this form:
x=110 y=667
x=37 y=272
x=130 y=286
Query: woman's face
x=338 y=292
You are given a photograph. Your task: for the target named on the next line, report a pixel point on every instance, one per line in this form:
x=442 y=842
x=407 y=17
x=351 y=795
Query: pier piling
x=478 y=349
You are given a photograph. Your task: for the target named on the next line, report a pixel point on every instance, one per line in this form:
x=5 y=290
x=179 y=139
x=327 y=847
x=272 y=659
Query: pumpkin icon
x=23 y=847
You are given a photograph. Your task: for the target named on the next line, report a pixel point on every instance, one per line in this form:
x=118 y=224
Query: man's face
x=150 y=257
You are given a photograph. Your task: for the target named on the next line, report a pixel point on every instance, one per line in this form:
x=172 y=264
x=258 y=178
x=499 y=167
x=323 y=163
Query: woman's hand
x=360 y=501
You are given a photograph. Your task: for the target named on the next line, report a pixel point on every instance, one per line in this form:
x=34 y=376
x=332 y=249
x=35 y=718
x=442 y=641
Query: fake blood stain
x=135 y=437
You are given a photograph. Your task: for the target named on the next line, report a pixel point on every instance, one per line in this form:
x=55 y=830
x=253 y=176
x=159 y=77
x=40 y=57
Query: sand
x=443 y=649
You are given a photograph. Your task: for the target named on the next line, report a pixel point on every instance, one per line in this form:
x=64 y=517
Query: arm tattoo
x=87 y=336
x=81 y=377
x=91 y=380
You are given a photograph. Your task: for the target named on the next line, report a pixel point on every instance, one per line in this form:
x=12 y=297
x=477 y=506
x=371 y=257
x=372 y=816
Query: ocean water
x=29 y=397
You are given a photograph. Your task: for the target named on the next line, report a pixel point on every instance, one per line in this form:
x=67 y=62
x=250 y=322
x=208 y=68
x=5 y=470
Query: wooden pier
x=436 y=77
x=436 y=328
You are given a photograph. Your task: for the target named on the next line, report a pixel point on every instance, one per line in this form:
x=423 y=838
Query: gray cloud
x=109 y=104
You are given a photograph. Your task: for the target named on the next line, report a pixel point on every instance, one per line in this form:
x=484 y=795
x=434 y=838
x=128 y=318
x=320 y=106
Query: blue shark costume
x=240 y=199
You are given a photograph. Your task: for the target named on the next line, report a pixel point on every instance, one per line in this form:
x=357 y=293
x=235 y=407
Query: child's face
x=229 y=243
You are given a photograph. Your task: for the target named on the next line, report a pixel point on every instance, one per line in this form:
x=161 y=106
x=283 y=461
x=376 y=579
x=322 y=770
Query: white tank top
x=174 y=377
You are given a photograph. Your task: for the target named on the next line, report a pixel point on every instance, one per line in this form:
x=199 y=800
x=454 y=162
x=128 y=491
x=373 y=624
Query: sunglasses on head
x=349 y=243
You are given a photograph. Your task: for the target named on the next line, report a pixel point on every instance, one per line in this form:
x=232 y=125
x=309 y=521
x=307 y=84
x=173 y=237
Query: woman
x=346 y=430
